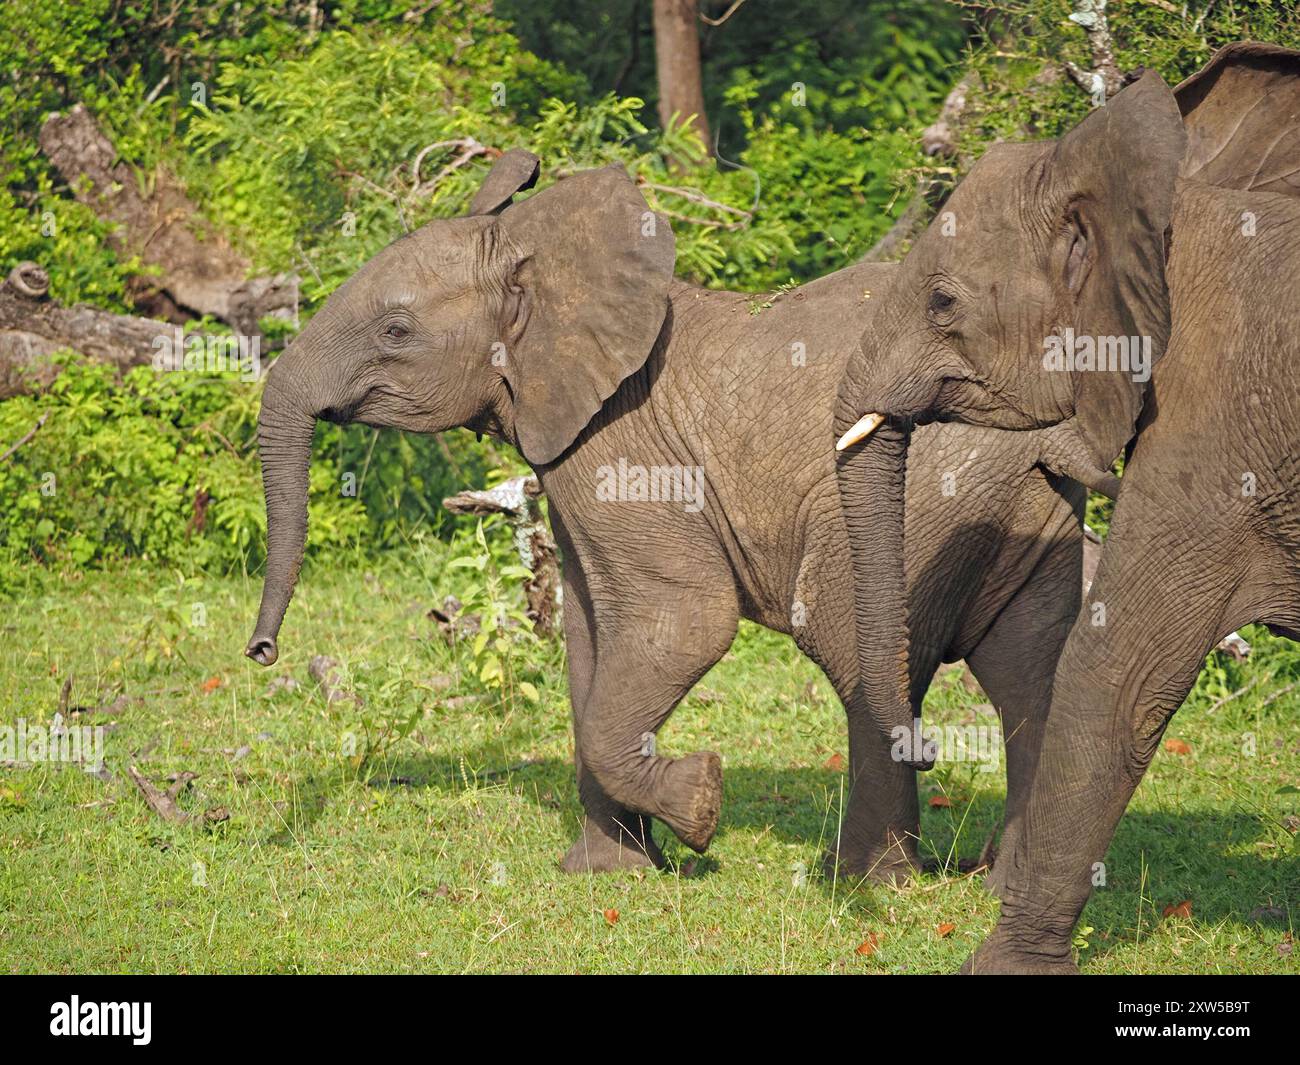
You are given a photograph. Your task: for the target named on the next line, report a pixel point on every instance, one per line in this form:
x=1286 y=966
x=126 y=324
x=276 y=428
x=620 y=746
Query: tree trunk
x=677 y=64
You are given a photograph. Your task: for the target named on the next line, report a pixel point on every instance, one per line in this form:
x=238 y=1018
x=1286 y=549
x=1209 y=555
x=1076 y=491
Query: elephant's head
x=519 y=320
x=1037 y=297
x=1044 y=251
x=1041 y=246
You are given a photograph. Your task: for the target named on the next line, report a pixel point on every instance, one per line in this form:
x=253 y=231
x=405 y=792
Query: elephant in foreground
x=683 y=438
x=1166 y=226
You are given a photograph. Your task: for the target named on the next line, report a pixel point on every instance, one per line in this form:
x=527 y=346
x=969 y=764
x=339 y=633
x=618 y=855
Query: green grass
x=441 y=854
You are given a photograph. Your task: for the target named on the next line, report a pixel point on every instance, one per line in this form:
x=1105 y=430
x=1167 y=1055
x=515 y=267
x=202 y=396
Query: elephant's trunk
x=284 y=436
x=872 y=477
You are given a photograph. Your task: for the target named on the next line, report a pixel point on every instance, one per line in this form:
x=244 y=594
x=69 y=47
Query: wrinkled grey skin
x=1075 y=234
x=556 y=325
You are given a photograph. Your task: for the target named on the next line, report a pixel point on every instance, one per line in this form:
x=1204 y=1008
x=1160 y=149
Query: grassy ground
x=439 y=852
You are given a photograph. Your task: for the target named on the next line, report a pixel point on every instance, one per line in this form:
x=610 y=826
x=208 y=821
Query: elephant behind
x=1113 y=266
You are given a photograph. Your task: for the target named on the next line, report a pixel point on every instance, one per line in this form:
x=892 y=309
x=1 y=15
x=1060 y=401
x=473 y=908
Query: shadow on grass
x=1159 y=860
x=1186 y=856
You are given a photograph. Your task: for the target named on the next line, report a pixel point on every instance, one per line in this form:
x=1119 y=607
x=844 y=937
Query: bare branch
x=30 y=433
x=517 y=500
x=1105 y=79
x=723 y=18
x=470 y=148
x=939 y=138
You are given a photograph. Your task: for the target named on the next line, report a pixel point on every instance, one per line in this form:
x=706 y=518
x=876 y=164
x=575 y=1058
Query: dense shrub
x=296 y=128
x=297 y=137
x=163 y=466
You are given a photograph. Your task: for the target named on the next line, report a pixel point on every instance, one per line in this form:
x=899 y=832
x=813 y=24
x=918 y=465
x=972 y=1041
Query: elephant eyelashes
x=396 y=331
x=941 y=304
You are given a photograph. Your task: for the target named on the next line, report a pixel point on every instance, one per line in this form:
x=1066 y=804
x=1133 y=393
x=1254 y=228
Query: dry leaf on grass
x=1181 y=909
x=1175 y=746
x=946 y=929
x=868 y=946
x=941 y=802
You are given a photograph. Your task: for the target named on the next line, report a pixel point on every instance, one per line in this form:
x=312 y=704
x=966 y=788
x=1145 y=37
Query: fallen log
x=201 y=273
x=517 y=499
x=33 y=327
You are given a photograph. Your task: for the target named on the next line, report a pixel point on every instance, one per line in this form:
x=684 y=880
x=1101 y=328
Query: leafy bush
x=297 y=134
x=1025 y=93
x=163 y=466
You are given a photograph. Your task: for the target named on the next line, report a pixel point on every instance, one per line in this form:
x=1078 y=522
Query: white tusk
x=863 y=428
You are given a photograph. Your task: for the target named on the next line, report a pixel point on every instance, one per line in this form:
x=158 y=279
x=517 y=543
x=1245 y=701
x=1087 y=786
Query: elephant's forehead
x=437 y=251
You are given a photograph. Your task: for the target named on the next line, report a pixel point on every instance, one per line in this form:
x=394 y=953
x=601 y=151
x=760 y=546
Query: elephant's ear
x=515 y=171
x=1242 y=115
x=1109 y=186
x=591 y=264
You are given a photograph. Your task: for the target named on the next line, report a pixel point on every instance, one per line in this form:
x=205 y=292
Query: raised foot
x=691 y=798
x=602 y=849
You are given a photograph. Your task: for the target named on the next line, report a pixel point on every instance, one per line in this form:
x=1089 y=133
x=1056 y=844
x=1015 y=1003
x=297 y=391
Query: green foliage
x=498 y=654
x=337 y=135
x=874 y=64
x=164 y=466
x=1027 y=95
x=298 y=130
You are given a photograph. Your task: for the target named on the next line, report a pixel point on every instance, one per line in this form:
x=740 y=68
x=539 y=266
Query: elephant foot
x=603 y=847
x=1000 y=955
x=690 y=798
x=995 y=882
x=895 y=864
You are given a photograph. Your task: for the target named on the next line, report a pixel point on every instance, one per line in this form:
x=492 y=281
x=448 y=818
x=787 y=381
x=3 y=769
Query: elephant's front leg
x=649 y=654
x=878 y=834
x=1131 y=658
x=612 y=837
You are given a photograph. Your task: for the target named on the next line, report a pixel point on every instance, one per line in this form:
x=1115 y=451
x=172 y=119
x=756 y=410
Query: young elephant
x=1047 y=309
x=683 y=439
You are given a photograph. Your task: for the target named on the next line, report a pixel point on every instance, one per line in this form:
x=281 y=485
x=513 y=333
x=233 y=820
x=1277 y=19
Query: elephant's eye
x=396 y=331
x=941 y=302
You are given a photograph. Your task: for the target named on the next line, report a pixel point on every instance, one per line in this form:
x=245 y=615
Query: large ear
x=1242 y=114
x=591 y=264
x=1109 y=184
x=515 y=171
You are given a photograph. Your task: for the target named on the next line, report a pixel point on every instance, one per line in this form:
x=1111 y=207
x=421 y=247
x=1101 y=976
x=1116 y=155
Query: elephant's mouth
x=340 y=414
x=953 y=398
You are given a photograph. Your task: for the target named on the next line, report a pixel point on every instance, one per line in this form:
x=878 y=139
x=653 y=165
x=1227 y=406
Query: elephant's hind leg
x=1015 y=663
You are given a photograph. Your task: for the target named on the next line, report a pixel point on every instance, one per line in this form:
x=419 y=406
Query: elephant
x=683 y=438
x=1132 y=284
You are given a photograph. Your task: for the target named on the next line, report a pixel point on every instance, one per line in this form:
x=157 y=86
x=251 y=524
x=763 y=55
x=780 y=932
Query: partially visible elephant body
x=1161 y=232
x=743 y=392
x=1205 y=538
